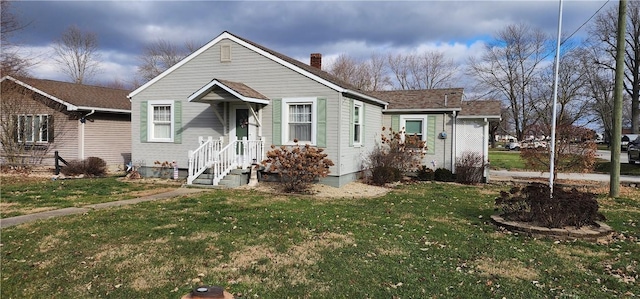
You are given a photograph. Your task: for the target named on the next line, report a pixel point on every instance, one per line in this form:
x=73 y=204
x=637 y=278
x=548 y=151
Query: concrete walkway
x=11 y=221
x=598 y=177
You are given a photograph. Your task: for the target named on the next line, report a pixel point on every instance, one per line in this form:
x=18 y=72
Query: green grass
x=25 y=195
x=419 y=241
x=506 y=160
x=512 y=161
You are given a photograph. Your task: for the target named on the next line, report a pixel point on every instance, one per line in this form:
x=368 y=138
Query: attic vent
x=225 y=53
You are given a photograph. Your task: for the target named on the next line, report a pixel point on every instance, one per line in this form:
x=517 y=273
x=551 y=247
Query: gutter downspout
x=454 y=141
x=83 y=120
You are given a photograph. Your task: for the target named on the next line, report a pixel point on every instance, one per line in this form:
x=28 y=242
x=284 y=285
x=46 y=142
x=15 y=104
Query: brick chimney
x=316 y=60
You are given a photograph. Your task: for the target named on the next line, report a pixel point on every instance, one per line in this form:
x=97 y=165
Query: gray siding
x=260 y=73
x=352 y=157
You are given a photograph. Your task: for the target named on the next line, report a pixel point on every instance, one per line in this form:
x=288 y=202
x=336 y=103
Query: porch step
x=236 y=178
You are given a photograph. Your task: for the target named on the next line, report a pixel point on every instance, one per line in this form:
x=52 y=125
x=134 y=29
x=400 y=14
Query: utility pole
x=614 y=181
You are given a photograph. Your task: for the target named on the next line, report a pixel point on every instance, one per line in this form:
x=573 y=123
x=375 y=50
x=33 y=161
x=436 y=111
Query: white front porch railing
x=236 y=154
x=202 y=158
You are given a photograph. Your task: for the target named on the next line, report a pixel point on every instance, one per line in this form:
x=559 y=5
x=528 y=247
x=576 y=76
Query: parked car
x=633 y=151
x=513 y=146
x=626 y=139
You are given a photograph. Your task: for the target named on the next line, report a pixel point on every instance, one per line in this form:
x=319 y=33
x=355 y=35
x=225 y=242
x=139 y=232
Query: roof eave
x=366 y=97
x=413 y=110
x=98 y=109
x=492 y=117
x=200 y=93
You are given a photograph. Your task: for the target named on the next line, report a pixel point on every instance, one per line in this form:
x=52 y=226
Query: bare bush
x=396 y=154
x=297 y=166
x=470 y=168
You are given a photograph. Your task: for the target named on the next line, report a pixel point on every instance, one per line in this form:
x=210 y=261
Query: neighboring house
x=78 y=121
x=223 y=106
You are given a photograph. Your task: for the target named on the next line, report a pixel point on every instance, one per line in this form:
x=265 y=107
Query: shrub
x=425 y=173
x=566 y=208
x=384 y=174
x=396 y=150
x=470 y=168
x=162 y=169
x=572 y=154
x=297 y=166
x=92 y=167
x=443 y=175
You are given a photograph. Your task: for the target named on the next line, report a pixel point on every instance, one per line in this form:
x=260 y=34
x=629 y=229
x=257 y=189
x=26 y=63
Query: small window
x=414 y=127
x=33 y=128
x=161 y=121
x=225 y=53
x=357 y=122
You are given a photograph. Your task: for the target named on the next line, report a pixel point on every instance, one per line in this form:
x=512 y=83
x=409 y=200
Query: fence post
x=57 y=164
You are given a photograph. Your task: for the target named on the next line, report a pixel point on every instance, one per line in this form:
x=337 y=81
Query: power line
x=585 y=22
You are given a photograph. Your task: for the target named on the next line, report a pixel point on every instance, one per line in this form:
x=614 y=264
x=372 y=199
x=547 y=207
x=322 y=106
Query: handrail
x=202 y=158
x=238 y=153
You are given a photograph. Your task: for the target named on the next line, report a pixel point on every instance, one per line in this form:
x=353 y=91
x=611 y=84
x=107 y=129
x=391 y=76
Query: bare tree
x=603 y=35
x=508 y=68
x=571 y=100
x=432 y=70
x=12 y=62
x=160 y=55
x=366 y=75
x=77 y=54
x=399 y=65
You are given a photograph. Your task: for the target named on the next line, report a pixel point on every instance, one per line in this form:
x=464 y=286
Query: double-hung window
x=33 y=128
x=299 y=115
x=414 y=127
x=161 y=121
x=358 y=119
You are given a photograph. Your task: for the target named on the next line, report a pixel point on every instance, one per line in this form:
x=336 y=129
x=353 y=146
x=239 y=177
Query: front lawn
x=427 y=240
x=22 y=195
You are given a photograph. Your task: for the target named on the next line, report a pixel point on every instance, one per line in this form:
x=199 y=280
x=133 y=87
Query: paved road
x=598 y=177
x=602 y=154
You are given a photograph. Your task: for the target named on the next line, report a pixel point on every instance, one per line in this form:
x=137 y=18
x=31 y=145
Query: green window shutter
x=143 y=121
x=321 y=130
x=177 y=122
x=351 y=122
x=362 y=127
x=277 y=122
x=395 y=123
x=431 y=134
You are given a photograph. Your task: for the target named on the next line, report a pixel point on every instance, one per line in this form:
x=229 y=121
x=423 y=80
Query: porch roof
x=237 y=89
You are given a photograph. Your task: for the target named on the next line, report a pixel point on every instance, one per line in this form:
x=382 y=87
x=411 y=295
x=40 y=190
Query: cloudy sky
x=293 y=28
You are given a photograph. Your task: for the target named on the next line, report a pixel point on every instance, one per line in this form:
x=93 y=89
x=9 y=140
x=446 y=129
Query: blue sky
x=294 y=28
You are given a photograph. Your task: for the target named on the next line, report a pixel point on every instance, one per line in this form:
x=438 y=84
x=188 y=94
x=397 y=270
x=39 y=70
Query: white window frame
x=285 y=119
x=151 y=123
x=420 y=117
x=358 y=122
x=39 y=139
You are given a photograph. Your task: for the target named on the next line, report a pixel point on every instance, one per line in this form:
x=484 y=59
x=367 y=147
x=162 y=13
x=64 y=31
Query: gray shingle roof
x=243 y=89
x=81 y=95
x=489 y=108
x=423 y=99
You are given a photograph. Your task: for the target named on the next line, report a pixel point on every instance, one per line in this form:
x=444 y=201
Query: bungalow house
x=78 y=121
x=223 y=106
